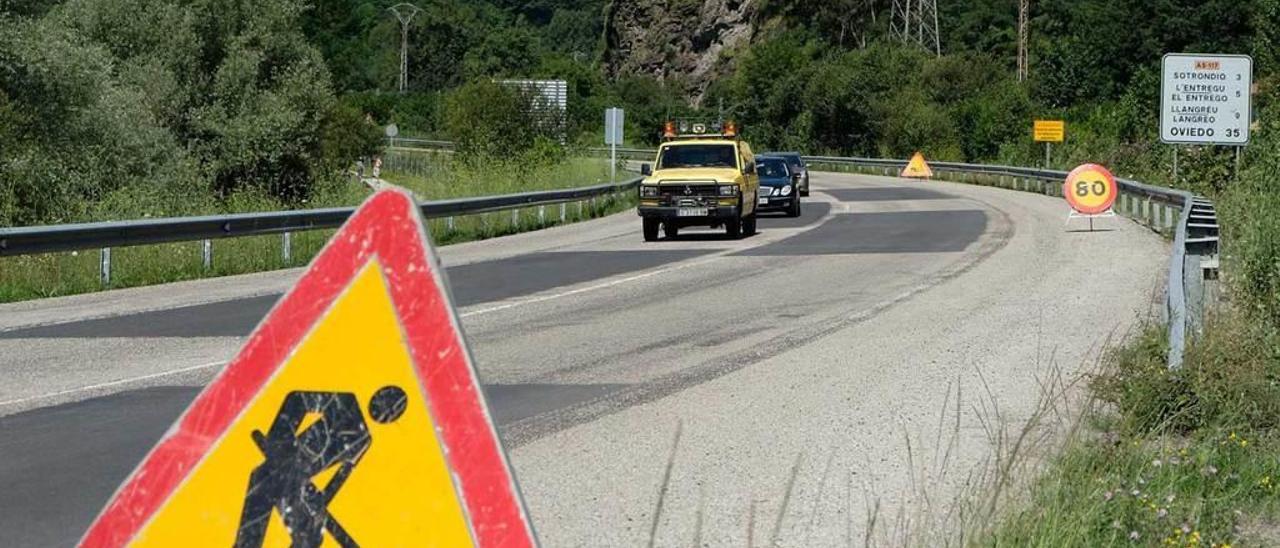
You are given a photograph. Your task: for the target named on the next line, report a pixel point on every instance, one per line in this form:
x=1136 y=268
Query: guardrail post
x=206 y=254
x=104 y=267
x=286 y=247
x=448 y=222
x=580 y=206
x=562 y=206
x=542 y=215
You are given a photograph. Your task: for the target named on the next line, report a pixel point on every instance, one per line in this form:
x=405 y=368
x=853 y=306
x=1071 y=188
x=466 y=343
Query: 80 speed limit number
x=1090 y=189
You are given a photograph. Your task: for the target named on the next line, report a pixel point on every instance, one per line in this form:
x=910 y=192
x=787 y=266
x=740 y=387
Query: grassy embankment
x=429 y=176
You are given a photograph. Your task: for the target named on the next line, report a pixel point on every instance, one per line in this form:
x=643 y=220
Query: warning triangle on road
x=917 y=168
x=351 y=416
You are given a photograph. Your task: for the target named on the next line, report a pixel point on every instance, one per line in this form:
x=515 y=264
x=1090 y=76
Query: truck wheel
x=733 y=227
x=794 y=210
x=650 y=230
x=670 y=230
x=749 y=225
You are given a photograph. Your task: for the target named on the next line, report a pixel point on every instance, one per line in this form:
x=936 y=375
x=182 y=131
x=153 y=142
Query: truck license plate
x=691 y=212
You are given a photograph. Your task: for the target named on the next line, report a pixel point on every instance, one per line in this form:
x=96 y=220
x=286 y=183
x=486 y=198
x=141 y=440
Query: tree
x=488 y=121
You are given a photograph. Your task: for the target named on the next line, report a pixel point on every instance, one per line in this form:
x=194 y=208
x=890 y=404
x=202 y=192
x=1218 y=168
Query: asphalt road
x=746 y=371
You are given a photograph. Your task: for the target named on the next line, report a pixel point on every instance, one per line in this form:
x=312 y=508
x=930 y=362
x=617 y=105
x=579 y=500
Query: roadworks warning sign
x=351 y=417
x=917 y=168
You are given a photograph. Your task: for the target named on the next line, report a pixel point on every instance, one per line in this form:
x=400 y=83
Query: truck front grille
x=688 y=191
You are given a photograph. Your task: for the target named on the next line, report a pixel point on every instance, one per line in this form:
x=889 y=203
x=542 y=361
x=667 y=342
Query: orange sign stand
x=351 y=416
x=917 y=168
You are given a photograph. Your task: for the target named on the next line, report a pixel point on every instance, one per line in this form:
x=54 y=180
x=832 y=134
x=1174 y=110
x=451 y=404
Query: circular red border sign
x=1090 y=189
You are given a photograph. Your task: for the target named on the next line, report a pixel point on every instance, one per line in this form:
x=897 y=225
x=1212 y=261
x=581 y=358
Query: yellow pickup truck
x=704 y=175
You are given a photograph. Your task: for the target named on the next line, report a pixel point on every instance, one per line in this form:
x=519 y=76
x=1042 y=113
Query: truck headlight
x=728 y=190
x=648 y=191
x=786 y=190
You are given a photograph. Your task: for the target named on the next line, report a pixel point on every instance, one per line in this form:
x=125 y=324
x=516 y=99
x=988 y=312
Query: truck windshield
x=773 y=168
x=698 y=156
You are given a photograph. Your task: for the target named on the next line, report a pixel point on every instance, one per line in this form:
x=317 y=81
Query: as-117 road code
x=1205 y=99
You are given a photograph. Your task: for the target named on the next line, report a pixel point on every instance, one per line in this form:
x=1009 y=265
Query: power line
x=404 y=13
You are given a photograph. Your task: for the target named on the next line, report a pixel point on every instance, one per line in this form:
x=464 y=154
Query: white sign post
x=1205 y=100
x=613 y=137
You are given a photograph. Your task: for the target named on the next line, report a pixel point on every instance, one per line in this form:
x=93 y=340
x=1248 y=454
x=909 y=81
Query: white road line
x=580 y=290
x=100 y=386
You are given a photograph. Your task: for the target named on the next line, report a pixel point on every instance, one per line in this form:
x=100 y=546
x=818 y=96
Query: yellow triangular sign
x=917 y=168
x=352 y=416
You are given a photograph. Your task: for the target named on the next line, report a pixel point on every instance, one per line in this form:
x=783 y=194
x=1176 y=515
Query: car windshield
x=698 y=156
x=773 y=168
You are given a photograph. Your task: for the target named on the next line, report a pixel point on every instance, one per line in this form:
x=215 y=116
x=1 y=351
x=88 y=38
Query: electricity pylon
x=404 y=13
x=916 y=21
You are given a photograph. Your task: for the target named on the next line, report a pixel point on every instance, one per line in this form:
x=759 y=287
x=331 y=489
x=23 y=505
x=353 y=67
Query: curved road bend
x=801 y=357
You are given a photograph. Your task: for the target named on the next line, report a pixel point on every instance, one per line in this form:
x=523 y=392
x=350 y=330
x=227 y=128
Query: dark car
x=779 y=187
x=798 y=168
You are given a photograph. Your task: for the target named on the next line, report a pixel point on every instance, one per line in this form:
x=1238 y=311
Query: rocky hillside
x=680 y=41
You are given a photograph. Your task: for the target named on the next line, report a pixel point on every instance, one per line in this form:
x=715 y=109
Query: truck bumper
x=714 y=215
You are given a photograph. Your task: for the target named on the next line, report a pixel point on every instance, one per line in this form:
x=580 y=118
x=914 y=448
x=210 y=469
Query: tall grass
x=430 y=176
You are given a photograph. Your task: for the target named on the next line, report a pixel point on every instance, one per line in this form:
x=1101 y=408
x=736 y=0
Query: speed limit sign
x=1090 y=189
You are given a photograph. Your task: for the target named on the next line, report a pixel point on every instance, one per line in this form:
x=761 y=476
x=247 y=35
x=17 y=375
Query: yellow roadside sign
x=917 y=168
x=351 y=417
x=1049 y=131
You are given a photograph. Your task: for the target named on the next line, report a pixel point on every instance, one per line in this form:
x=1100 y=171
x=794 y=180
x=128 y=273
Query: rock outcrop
x=680 y=41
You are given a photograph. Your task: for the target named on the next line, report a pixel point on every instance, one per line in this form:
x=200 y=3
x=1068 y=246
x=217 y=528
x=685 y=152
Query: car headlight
x=786 y=190
x=728 y=190
x=648 y=191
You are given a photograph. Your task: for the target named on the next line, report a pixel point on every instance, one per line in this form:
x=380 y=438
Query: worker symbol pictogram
x=338 y=437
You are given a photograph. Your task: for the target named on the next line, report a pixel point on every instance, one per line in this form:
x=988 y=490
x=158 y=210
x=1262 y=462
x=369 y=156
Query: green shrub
x=488 y=121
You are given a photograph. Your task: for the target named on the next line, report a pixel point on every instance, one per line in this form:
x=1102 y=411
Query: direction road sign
x=351 y=416
x=1049 y=131
x=1205 y=99
x=1090 y=189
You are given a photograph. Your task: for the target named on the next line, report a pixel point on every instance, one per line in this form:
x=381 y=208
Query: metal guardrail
x=106 y=235
x=71 y=237
x=415 y=142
